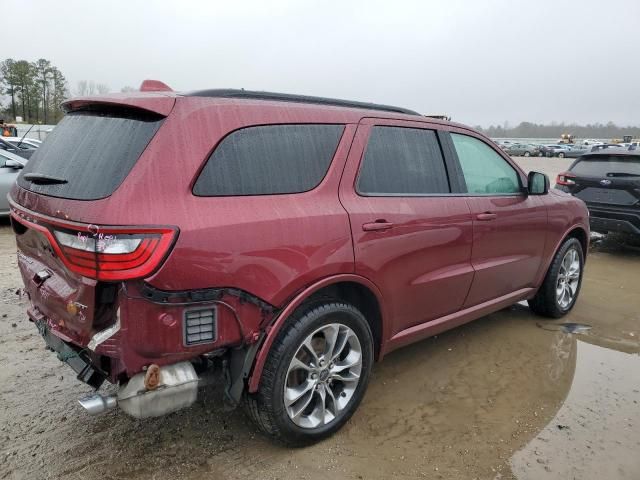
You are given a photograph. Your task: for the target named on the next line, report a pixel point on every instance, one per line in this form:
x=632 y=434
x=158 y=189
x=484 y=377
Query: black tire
x=527 y=154
x=545 y=303
x=540 y=154
x=561 y=155
x=266 y=407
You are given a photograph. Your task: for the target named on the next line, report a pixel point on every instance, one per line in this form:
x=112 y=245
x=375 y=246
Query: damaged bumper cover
x=76 y=358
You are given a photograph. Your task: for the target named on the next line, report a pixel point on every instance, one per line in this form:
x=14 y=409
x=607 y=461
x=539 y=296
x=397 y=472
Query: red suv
x=289 y=241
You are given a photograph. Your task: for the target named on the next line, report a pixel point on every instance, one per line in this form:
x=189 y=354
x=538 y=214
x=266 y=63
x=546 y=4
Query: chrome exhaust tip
x=96 y=403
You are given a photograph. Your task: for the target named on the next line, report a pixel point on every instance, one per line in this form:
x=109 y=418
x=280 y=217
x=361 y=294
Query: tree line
x=554 y=130
x=35 y=90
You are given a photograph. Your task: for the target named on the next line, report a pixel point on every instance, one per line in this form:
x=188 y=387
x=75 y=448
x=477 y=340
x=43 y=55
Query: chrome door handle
x=377 y=226
x=485 y=217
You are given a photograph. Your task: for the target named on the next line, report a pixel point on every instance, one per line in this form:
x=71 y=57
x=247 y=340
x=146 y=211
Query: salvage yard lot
x=508 y=396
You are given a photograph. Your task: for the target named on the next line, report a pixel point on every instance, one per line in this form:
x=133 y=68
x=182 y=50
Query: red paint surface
x=437 y=266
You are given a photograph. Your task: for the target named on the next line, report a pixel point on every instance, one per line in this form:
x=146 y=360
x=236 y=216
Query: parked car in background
x=522 y=150
x=557 y=150
x=24 y=143
x=608 y=182
x=342 y=231
x=9 y=147
x=502 y=144
x=544 y=150
x=10 y=167
x=607 y=146
x=577 y=150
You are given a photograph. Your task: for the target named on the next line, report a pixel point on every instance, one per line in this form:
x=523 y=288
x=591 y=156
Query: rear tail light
x=113 y=254
x=566 y=179
x=103 y=253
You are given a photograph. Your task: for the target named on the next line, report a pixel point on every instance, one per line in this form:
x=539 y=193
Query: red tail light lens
x=103 y=253
x=113 y=254
x=566 y=178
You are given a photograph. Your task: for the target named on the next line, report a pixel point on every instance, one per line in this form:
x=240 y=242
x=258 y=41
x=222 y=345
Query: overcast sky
x=482 y=62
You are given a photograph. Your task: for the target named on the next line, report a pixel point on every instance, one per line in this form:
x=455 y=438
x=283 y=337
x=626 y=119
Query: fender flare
x=562 y=238
x=274 y=328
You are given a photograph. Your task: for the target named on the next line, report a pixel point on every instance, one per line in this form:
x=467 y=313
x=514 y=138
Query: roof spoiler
x=154 y=86
x=155 y=103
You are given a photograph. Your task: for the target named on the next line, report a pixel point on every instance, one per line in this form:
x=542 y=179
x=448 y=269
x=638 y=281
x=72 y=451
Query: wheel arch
x=354 y=289
x=579 y=232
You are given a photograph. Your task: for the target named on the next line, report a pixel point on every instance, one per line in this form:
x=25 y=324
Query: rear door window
x=402 y=161
x=271 y=159
x=485 y=172
x=93 y=152
x=608 y=166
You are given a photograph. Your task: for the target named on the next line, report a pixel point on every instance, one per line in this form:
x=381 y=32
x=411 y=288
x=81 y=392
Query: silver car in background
x=10 y=167
x=522 y=150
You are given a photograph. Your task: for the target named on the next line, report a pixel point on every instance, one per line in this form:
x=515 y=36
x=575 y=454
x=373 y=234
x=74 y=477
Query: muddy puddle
x=510 y=396
x=594 y=434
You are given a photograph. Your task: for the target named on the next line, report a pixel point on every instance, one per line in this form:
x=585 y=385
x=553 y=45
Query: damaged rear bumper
x=76 y=358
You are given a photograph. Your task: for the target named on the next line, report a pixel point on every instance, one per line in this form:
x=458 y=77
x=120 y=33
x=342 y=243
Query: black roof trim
x=287 y=97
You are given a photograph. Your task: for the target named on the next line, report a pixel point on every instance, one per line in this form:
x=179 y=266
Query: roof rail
x=286 y=97
x=440 y=117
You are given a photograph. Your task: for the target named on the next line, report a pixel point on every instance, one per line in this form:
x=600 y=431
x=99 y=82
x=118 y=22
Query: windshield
x=91 y=153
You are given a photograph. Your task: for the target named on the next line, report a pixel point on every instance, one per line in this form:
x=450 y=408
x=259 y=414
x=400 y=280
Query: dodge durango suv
x=289 y=241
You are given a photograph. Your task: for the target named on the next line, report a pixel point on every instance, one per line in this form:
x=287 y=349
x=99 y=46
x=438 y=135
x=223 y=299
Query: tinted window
x=485 y=172
x=269 y=160
x=603 y=166
x=94 y=152
x=402 y=161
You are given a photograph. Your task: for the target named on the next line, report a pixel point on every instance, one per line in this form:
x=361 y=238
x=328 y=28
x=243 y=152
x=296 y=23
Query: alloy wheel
x=322 y=376
x=568 y=278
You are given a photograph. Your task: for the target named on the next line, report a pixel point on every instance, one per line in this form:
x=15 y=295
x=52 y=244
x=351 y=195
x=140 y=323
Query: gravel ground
x=508 y=396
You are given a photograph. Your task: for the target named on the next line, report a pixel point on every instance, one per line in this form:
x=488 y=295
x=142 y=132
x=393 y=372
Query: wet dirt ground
x=509 y=396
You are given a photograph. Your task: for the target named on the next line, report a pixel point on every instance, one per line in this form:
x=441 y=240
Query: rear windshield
x=608 y=166
x=93 y=152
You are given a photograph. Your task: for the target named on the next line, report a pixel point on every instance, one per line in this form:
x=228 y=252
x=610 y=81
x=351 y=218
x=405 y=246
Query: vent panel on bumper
x=200 y=326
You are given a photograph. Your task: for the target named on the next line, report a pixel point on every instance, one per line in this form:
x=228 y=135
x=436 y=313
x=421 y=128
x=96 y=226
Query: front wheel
x=527 y=154
x=561 y=155
x=315 y=375
x=559 y=290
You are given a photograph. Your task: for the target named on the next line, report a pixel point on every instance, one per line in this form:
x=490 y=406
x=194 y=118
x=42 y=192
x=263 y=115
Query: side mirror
x=537 y=183
x=13 y=164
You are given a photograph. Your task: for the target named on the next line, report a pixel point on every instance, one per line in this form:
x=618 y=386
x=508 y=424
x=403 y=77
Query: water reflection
x=594 y=434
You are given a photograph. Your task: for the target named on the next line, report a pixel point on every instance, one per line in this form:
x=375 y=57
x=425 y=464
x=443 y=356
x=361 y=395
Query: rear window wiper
x=42 y=179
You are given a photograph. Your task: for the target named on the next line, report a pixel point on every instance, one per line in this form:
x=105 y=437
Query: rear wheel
x=527 y=154
x=561 y=286
x=315 y=375
x=561 y=155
